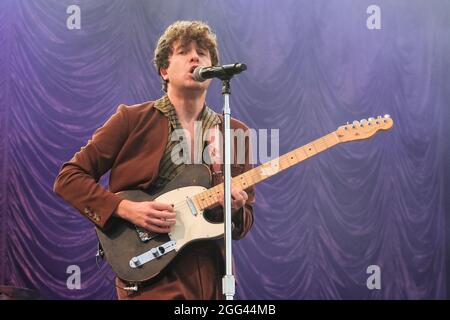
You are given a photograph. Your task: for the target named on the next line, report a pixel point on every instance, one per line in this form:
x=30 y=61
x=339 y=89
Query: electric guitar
x=138 y=255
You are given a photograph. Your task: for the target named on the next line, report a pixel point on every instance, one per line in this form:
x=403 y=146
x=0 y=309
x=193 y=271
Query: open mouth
x=192 y=69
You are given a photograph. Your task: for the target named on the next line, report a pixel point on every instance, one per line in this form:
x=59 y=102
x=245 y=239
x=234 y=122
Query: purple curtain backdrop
x=312 y=66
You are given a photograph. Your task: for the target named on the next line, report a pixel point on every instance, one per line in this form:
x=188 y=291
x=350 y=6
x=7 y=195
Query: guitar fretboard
x=210 y=197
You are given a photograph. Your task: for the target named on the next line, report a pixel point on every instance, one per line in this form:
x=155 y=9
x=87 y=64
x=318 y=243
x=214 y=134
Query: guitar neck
x=210 y=197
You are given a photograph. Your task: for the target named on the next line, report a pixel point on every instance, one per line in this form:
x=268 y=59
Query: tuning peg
x=378 y=120
x=371 y=119
x=386 y=116
x=363 y=122
x=355 y=124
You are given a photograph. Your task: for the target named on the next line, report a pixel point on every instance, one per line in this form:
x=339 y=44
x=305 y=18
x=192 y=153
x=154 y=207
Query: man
x=135 y=145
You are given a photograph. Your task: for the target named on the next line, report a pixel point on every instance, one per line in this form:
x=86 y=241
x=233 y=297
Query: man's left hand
x=238 y=199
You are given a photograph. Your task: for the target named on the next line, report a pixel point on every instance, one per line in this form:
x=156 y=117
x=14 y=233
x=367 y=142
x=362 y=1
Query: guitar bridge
x=152 y=254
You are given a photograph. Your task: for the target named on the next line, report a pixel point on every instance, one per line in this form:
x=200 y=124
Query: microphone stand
x=225 y=73
x=228 y=280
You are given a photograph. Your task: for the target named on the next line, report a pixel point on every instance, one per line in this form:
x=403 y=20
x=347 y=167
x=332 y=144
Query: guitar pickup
x=191 y=206
x=152 y=254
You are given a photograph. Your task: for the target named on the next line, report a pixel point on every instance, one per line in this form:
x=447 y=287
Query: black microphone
x=223 y=72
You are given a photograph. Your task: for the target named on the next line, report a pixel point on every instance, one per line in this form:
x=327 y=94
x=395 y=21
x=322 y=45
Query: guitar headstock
x=364 y=129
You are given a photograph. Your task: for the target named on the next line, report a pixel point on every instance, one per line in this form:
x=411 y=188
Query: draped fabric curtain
x=359 y=214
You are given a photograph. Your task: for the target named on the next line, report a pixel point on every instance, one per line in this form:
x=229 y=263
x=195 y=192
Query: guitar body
x=121 y=241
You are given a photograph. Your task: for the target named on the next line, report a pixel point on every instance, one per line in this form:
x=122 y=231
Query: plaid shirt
x=168 y=169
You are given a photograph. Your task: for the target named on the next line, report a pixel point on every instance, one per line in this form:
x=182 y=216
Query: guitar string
x=284 y=158
x=256 y=177
x=183 y=204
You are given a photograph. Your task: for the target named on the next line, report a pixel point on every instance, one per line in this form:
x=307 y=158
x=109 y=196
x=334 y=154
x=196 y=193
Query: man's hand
x=153 y=216
x=238 y=198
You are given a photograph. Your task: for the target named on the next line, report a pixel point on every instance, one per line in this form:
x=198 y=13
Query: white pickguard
x=189 y=227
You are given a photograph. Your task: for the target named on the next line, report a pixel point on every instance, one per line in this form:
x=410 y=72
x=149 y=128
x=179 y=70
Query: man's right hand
x=153 y=216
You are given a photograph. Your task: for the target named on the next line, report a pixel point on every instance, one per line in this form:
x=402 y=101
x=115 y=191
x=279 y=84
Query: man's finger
x=161 y=223
x=161 y=206
x=163 y=214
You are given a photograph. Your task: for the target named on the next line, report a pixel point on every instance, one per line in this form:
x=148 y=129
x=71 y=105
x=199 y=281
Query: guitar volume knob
x=135 y=261
x=154 y=252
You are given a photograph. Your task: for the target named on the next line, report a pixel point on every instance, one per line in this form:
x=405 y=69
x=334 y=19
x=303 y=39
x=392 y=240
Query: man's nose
x=194 y=56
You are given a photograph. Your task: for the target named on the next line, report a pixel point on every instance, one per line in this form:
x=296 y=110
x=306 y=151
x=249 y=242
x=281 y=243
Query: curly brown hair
x=185 y=31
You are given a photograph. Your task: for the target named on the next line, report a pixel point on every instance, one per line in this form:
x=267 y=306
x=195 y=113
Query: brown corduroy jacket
x=131 y=144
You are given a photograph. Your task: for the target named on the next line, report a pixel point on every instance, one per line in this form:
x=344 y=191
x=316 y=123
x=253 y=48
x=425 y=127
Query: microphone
x=222 y=72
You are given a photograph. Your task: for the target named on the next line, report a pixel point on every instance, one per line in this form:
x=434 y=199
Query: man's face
x=182 y=62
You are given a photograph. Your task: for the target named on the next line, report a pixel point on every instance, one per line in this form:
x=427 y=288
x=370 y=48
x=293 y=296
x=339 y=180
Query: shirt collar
x=207 y=116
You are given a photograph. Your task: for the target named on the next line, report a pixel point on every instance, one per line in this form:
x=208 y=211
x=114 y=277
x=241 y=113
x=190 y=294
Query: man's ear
x=163 y=73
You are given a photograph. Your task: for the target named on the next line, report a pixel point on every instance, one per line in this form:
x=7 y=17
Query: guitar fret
x=287 y=161
x=298 y=157
x=290 y=158
x=210 y=198
x=196 y=202
x=310 y=150
x=331 y=139
x=324 y=141
x=319 y=145
x=216 y=191
x=248 y=178
x=242 y=181
x=255 y=176
x=203 y=200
